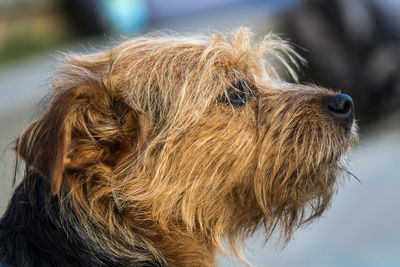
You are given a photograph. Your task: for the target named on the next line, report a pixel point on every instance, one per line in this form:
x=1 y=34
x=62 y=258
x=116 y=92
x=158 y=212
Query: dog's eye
x=237 y=95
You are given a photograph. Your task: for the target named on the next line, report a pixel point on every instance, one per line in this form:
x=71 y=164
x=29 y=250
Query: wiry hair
x=150 y=160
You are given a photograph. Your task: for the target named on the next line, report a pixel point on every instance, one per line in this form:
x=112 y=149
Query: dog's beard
x=297 y=185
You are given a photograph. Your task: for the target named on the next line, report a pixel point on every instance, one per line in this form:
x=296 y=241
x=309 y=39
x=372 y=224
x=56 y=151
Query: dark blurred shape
x=353 y=46
x=111 y=16
x=84 y=15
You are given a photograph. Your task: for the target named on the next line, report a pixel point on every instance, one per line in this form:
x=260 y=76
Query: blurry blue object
x=125 y=16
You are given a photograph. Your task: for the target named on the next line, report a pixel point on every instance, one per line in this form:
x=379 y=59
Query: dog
x=156 y=151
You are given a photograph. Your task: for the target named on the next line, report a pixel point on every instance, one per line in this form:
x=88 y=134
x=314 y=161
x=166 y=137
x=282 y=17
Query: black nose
x=340 y=106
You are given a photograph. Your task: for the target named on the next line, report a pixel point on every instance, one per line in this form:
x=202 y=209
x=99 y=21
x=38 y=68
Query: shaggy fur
x=152 y=153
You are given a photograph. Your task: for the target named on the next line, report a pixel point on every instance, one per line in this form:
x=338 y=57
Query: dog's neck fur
x=32 y=233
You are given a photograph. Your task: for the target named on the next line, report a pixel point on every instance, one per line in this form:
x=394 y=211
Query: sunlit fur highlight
x=148 y=155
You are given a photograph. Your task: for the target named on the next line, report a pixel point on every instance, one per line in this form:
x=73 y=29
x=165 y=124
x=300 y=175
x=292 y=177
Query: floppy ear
x=84 y=125
x=43 y=145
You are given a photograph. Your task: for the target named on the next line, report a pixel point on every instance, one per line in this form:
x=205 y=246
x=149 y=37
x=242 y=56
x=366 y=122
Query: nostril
x=340 y=105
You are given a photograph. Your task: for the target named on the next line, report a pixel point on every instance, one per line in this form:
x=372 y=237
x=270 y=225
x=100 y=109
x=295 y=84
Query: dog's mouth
x=309 y=162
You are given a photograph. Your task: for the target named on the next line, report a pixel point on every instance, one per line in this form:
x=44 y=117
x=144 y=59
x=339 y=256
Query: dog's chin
x=350 y=138
x=298 y=202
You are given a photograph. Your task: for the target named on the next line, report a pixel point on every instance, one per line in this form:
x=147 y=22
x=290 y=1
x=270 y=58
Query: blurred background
x=351 y=45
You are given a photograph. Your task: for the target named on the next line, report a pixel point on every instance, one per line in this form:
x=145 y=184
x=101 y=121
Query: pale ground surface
x=361 y=229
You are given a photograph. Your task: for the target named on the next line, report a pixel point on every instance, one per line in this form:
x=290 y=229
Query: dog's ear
x=84 y=125
x=43 y=144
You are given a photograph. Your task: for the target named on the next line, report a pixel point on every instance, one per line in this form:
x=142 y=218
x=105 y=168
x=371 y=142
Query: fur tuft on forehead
x=200 y=67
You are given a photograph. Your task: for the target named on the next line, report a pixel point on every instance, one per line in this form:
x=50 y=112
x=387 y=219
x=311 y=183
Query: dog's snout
x=340 y=106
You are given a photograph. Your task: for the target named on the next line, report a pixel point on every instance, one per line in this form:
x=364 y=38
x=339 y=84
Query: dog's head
x=199 y=135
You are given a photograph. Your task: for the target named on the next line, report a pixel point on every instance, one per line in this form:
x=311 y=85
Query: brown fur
x=140 y=143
